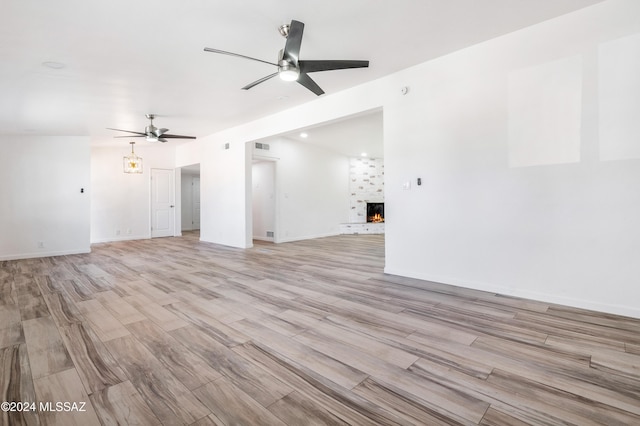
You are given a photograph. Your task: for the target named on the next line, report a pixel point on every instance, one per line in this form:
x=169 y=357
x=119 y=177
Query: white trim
x=307 y=237
x=628 y=311
x=121 y=238
x=44 y=254
x=267 y=239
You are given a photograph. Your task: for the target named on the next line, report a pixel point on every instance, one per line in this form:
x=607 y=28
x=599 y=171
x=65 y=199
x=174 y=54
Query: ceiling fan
x=290 y=68
x=152 y=133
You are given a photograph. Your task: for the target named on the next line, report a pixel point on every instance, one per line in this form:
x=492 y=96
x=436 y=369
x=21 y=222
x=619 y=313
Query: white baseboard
x=269 y=240
x=120 y=238
x=628 y=311
x=34 y=255
x=306 y=237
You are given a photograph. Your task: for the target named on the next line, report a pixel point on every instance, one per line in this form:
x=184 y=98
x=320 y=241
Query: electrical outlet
x=128 y=231
x=40 y=244
x=117 y=232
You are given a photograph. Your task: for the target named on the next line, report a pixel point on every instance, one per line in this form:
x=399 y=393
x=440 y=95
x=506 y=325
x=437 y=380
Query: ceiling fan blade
x=168 y=136
x=262 y=80
x=128 y=131
x=294 y=40
x=315 y=66
x=208 y=49
x=162 y=140
x=307 y=82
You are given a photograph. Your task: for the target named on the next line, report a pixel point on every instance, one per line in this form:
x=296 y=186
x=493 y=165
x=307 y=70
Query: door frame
x=193 y=202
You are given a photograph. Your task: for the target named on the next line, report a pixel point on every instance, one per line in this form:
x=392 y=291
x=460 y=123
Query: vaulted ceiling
x=122 y=59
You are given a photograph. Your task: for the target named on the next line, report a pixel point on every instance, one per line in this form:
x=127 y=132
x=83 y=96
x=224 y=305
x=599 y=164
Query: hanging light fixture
x=132 y=163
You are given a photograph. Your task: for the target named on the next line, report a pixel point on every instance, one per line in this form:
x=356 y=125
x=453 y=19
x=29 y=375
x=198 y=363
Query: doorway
x=190 y=197
x=263 y=177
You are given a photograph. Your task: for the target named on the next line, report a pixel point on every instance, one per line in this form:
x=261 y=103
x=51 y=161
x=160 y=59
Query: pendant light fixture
x=132 y=163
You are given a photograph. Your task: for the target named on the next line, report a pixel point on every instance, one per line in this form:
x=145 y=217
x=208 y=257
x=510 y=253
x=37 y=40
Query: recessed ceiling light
x=53 y=65
x=364 y=154
x=304 y=135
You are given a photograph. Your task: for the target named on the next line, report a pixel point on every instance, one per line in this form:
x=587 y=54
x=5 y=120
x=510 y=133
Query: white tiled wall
x=366 y=184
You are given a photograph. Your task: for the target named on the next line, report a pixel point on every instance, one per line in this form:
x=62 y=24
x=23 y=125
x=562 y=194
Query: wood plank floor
x=174 y=331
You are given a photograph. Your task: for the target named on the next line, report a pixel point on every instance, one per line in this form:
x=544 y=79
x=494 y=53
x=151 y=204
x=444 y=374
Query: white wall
x=121 y=202
x=563 y=230
x=313 y=189
x=225 y=188
x=301 y=191
x=41 y=179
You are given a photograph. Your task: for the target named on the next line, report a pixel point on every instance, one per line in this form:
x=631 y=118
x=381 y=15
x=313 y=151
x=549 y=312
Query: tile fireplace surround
x=366 y=184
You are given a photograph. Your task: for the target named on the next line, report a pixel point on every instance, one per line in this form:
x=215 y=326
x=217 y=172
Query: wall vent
x=270 y=234
x=264 y=146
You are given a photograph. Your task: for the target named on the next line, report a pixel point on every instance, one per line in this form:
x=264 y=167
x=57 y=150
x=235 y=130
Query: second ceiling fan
x=290 y=67
x=151 y=132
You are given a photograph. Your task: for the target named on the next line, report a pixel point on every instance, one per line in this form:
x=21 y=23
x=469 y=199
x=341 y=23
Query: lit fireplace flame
x=377 y=218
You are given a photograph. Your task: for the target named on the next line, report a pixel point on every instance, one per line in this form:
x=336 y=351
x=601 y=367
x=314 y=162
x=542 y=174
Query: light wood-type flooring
x=174 y=331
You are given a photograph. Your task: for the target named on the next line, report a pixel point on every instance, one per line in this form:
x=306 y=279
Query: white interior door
x=196 y=203
x=162 y=203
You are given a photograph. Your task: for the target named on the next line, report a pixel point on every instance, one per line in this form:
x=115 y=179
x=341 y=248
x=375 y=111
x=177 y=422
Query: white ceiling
x=127 y=58
x=350 y=136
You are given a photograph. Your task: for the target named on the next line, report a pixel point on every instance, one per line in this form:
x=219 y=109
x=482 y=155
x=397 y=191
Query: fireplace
x=375 y=212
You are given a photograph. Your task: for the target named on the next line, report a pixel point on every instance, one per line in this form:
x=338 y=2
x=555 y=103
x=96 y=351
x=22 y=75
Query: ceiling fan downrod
x=150 y=129
x=284 y=30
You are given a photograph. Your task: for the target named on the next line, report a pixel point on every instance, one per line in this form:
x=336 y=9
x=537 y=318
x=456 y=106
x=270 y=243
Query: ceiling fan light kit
x=289 y=67
x=287 y=72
